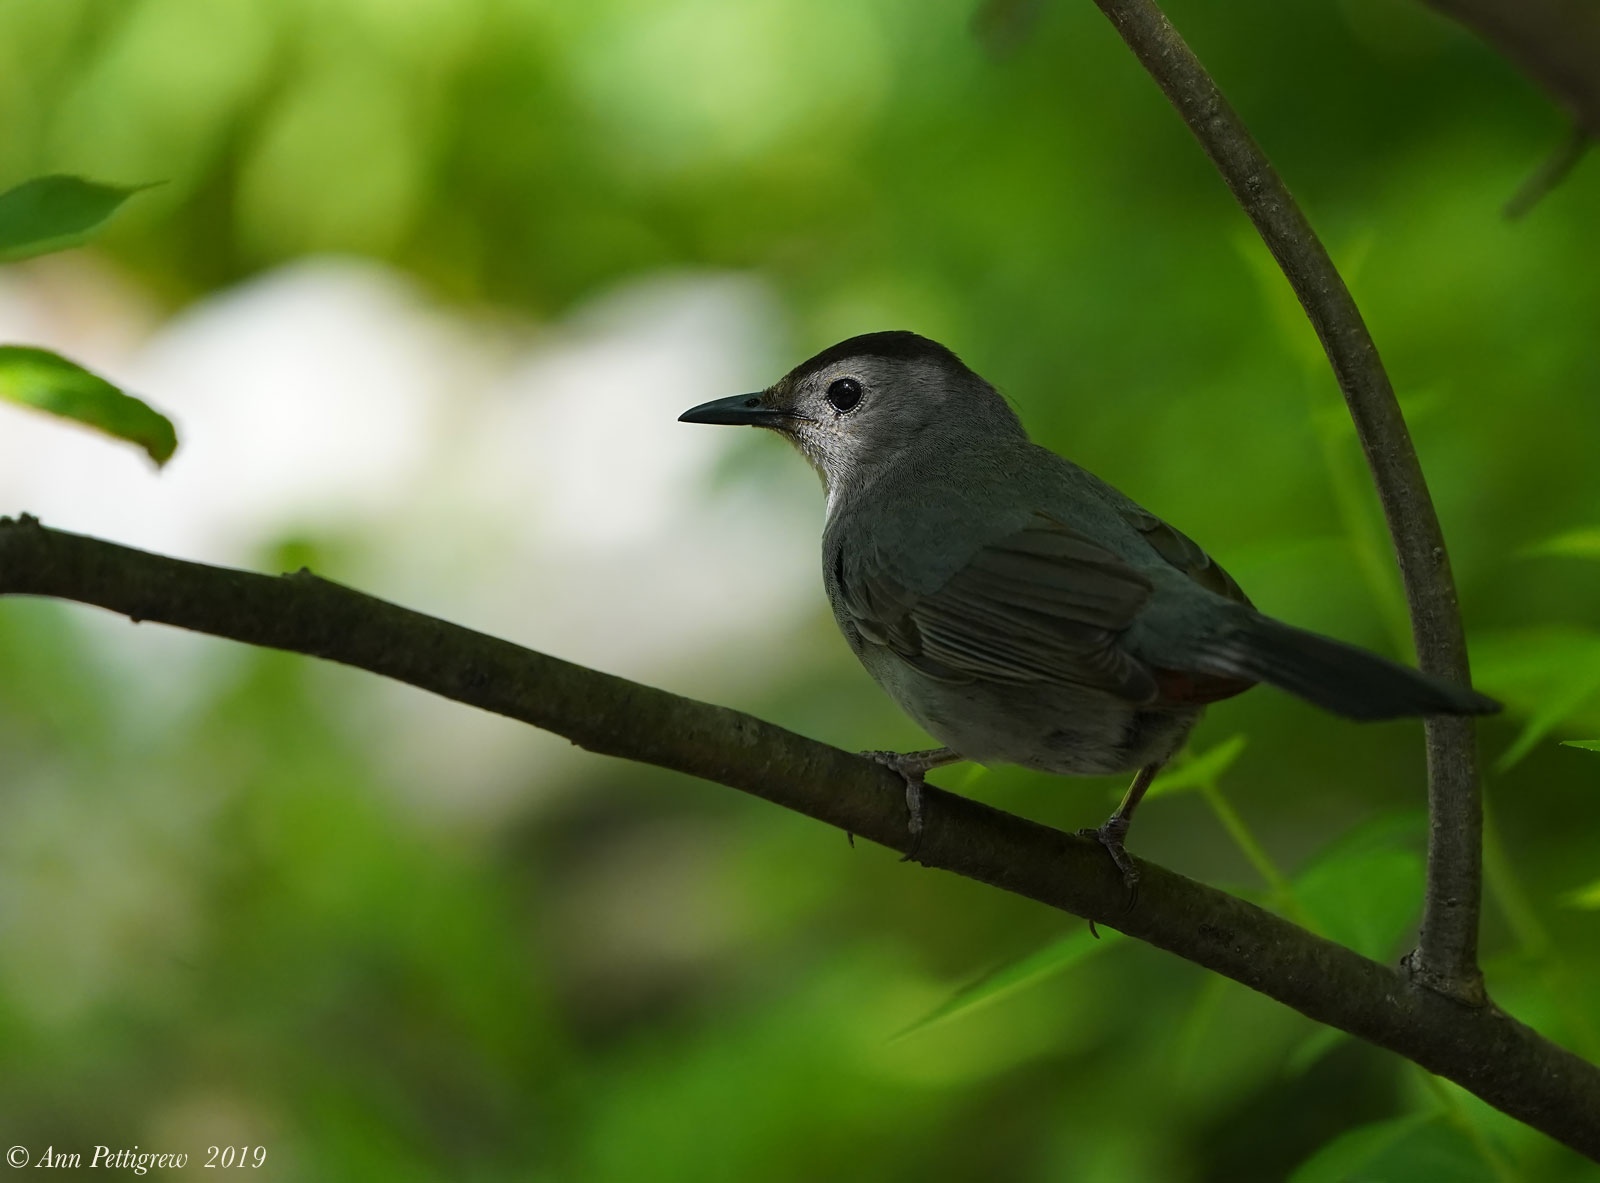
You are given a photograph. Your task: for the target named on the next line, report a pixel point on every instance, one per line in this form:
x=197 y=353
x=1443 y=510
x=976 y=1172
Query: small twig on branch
x=1507 y=1064
x=1446 y=957
x=1551 y=173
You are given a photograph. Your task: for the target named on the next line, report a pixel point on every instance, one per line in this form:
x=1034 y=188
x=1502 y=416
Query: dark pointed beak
x=746 y=409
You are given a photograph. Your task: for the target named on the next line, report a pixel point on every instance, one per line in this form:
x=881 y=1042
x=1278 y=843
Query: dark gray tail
x=1334 y=676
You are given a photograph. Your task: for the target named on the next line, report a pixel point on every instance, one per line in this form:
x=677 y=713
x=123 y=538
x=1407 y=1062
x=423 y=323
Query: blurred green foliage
x=225 y=931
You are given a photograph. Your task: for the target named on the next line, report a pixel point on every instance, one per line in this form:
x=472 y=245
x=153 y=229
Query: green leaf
x=53 y=213
x=1198 y=771
x=1573 y=544
x=48 y=382
x=1586 y=897
x=1525 y=662
x=1588 y=745
x=1549 y=675
x=1574 y=690
x=972 y=776
x=1076 y=946
x=1367 y=901
x=1400 y=1150
x=1364 y=891
x=1309 y=1051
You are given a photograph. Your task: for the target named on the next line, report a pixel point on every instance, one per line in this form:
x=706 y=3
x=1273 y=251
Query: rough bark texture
x=1507 y=1064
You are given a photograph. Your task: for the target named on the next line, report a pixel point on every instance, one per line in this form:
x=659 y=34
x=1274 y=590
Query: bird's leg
x=1115 y=829
x=913 y=767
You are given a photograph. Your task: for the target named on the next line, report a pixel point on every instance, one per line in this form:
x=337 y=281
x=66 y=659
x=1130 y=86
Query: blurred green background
x=246 y=899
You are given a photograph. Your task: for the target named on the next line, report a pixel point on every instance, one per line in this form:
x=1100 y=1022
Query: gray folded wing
x=1184 y=553
x=1044 y=605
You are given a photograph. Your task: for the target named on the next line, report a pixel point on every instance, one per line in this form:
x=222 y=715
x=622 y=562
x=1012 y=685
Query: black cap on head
x=895 y=343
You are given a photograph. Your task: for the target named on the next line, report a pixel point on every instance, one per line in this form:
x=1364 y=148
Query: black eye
x=844 y=394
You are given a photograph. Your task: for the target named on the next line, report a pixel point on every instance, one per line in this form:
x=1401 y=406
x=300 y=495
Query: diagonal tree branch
x=1480 y=1048
x=1446 y=957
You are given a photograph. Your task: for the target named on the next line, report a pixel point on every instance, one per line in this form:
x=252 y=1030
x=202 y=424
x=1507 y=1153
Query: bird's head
x=860 y=405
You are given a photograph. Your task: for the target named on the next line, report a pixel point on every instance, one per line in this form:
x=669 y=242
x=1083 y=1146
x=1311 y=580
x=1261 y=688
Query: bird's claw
x=1110 y=836
x=914 y=809
x=898 y=762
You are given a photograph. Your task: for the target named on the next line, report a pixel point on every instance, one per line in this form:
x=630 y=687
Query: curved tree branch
x=1446 y=957
x=1480 y=1048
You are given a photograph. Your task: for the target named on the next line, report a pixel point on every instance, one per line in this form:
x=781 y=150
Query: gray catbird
x=1018 y=608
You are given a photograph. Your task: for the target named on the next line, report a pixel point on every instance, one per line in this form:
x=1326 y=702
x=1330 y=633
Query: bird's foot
x=912 y=767
x=1110 y=836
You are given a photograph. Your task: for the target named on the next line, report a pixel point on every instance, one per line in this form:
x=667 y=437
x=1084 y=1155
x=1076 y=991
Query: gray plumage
x=1017 y=607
